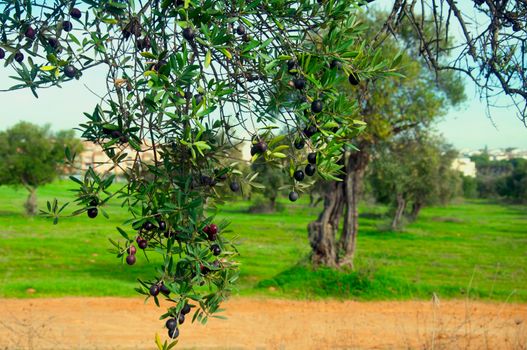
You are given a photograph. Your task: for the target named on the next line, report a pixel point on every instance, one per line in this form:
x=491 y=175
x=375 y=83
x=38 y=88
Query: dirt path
x=118 y=323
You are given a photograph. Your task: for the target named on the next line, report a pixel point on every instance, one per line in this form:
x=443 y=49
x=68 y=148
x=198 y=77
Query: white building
x=465 y=165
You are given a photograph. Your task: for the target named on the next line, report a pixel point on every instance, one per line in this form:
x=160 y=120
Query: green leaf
x=207 y=59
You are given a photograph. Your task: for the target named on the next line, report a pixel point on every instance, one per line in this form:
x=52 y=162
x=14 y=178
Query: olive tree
x=33 y=156
x=413 y=171
x=178 y=73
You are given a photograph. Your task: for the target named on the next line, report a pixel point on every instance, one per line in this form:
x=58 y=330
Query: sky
x=467 y=127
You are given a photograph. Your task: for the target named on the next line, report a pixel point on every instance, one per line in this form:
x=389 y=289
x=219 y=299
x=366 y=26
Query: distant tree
x=412 y=172
x=514 y=185
x=470 y=187
x=33 y=156
x=274 y=178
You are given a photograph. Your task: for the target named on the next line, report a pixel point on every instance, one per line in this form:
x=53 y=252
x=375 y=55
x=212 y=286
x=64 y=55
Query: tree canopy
x=179 y=73
x=33 y=156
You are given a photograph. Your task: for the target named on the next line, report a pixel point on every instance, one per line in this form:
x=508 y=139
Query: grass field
x=472 y=248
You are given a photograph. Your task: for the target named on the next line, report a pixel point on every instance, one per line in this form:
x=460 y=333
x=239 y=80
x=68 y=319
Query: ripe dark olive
x=75 y=13
x=353 y=79
x=160 y=65
x=19 y=57
x=93 y=212
x=164 y=289
x=479 y=2
x=298 y=175
x=171 y=323
x=198 y=98
x=131 y=250
x=299 y=143
x=299 y=83
x=316 y=106
x=216 y=250
x=54 y=43
x=212 y=228
x=291 y=64
x=186 y=309
x=94 y=202
x=179 y=2
x=143 y=243
x=310 y=130
x=116 y=134
x=335 y=64
x=2 y=53
x=204 y=269
x=173 y=333
x=222 y=177
x=181 y=319
x=188 y=34
x=293 y=196
x=240 y=30
x=205 y=180
x=211 y=231
x=312 y=158
x=246 y=38
x=235 y=187
x=310 y=169
x=516 y=27
x=67 y=26
x=154 y=290
x=260 y=147
x=148 y=226
x=30 y=33
x=130 y=259
x=162 y=225
x=70 y=72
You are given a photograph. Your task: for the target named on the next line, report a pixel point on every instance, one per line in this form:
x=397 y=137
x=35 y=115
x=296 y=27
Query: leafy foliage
x=415 y=170
x=180 y=73
x=33 y=156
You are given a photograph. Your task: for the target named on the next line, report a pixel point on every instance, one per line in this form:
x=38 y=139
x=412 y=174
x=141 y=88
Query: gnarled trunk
x=399 y=211
x=31 y=201
x=354 y=180
x=322 y=231
x=272 y=203
x=416 y=209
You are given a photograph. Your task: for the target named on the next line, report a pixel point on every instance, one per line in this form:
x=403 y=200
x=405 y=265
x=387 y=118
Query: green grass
x=471 y=248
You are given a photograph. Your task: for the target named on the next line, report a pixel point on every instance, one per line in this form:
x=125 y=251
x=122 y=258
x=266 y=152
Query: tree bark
x=31 y=201
x=272 y=203
x=399 y=211
x=322 y=231
x=416 y=209
x=353 y=187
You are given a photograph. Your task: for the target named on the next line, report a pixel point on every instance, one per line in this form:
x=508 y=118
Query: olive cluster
x=48 y=38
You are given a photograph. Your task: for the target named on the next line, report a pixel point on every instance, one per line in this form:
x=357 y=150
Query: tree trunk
x=272 y=203
x=416 y=209
x=31 y=202
x=401 y=205
x=322 y=231
x=353 y=187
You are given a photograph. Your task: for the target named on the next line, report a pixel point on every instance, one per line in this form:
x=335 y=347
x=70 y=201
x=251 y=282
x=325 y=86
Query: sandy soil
x=119 y=323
